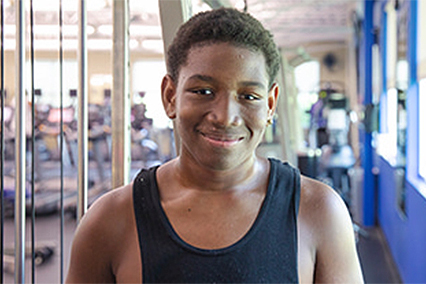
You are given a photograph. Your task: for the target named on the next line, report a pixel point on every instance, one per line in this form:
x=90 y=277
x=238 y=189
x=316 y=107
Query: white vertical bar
x=20 y=144
x=120 y=109
x=286 y=106
x=173 y=13
x=82 y=112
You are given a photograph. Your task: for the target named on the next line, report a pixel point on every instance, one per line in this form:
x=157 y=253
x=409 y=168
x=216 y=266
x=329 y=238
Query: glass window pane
x=422 y=128
x=146 y=79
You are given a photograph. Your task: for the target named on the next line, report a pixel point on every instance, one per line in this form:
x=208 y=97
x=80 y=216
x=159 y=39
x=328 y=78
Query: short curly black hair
x=222 y=25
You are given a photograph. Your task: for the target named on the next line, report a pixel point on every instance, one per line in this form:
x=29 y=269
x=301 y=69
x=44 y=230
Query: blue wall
x=406 y=236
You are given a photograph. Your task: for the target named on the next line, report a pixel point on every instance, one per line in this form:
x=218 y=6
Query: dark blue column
x=366 y=88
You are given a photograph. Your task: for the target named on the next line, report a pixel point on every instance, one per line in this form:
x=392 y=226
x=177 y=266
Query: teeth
x=220 y=138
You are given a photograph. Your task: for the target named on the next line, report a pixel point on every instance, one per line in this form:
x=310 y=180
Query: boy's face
x=221 y=104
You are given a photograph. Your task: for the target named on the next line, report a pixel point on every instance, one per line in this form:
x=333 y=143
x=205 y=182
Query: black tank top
x=266 y=254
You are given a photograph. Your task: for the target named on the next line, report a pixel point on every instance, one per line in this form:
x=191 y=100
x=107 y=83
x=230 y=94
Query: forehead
x=225 y=60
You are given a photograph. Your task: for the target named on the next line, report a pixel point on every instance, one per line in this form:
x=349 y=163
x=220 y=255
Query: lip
x=221 y=140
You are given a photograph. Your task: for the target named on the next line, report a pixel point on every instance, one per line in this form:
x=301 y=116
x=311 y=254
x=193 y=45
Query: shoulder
x=322 y=209
x=108 y=213
x=112 y=206
x=324 y=217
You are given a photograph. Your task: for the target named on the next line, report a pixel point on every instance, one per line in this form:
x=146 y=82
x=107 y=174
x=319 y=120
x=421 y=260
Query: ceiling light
x=105 y=30
x=99 y=44
x=146 y=31
x=67 y=30
x=52 y=44
x=9 y=44
x=153 y=44
x=9 y=30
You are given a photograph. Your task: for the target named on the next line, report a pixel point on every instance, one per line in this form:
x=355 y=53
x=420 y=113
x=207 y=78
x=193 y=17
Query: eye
x=248 y=97
x=202 y=92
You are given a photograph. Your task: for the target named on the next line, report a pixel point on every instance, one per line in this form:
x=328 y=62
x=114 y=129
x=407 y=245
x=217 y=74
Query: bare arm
x=91 y=250
x=336 y=258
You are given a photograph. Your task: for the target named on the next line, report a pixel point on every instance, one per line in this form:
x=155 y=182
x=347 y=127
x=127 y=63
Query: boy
x=218 y=212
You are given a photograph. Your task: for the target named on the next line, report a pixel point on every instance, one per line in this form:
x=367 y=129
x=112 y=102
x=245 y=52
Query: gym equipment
x=43 y=251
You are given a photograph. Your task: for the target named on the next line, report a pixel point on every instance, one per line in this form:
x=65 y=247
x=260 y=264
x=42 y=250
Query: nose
x=225 y=111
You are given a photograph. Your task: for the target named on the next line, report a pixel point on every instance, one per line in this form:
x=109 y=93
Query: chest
x=215 y=221
x=129 y=268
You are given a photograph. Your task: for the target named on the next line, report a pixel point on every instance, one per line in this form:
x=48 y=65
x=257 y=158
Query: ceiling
x=303 y=22
x=294 y=23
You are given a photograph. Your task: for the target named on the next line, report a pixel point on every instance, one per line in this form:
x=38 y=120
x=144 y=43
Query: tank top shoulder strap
x=285 y=176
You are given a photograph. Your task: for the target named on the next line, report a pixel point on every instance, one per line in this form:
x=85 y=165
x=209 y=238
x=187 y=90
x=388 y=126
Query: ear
x=168 y=96
x=273 y=100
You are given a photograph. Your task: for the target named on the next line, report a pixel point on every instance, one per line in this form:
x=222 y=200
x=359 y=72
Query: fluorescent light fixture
x=144 y=30
x=135 y=30
x=422 y=128
x=53 y=44
x=72 y=44
x=153 y=44
x=105 y=30
x=99 y=44
x=50 y=30
x=9 y=44
x=9 y=30
x=67 y=30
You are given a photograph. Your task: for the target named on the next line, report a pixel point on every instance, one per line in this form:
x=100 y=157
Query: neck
x=190 y=174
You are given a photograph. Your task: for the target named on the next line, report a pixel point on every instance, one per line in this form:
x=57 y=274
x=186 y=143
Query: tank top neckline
x=239 y=243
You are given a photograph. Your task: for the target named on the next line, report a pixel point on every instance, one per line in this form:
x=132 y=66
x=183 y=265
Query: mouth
x=222 y=140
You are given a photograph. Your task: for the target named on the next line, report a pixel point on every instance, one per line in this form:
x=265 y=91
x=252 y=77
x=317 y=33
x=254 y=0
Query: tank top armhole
x=297 y=189
x=138 y=207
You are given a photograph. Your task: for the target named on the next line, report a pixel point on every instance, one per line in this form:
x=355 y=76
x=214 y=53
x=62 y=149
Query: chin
x=229 y=162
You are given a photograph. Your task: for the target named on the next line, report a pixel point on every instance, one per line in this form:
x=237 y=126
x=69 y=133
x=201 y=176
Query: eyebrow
x=210 y=79
x=204 y=78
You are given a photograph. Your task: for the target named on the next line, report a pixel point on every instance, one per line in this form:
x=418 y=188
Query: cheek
x=256 y=118
x=187 y=115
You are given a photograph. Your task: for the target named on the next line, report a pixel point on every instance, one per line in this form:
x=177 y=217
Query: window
x=422 y=128
x=307 y=79
x=392 y=126
x=46 y=78
x=146 y=80
x=421 y=57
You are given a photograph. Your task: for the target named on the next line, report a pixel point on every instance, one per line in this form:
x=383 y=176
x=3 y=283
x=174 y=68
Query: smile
x=220 y=140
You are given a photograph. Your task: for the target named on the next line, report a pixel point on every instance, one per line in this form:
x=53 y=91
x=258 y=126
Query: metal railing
x=119 y=111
